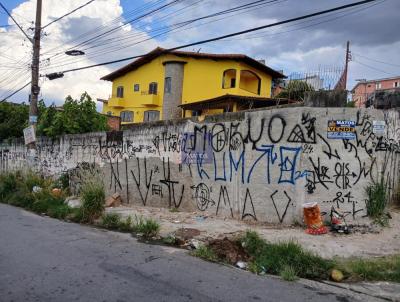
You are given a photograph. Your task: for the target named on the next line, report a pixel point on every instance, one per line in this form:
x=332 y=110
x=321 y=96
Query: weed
x=276 y=256
x=59 y=211
x=148 y=227
x=376 y=202
x=288 y=273
x=126 y=225
x=110 y=221
x=93 y=200
x=47 y=203
x=205 y=253
x=8 y=185
x=63 y=181
x=76 y=215
x=254 y=268
x=32 y=179
x=378 y=269
x=174 y=210
x=170 y=240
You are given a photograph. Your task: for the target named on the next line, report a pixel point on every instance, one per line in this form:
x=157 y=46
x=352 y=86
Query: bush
x=376 y=202
x=148 y=228
x=275 y=258
x=93 y=200
x=8 y=185
x=46 y=203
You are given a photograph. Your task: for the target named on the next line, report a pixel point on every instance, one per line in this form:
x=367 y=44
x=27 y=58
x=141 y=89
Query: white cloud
x=56 y=39
x=370 y=31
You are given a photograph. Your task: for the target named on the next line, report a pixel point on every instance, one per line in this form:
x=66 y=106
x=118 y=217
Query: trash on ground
x=56 y=192
x=200 y=218
x=337 y=275
x=313 y=219
x=241 y=264
x=36 y=189
x=338 y=222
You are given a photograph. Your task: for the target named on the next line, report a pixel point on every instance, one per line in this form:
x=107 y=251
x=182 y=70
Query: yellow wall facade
x=203 y=79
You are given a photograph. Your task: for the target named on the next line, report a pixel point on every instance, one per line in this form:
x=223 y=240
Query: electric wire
x=175 y=28
x=15 y=21
x=67 y=14
x=338 y=8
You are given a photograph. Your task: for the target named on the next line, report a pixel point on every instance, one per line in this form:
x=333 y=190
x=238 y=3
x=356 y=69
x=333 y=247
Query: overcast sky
x=318 y=44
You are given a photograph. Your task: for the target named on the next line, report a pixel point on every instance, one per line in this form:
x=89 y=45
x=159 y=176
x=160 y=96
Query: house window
x=120 y=92
x=136 y=87
x=396 y=85
x=196 y=112
x=167 y=85
x=109 y=113
x=126 y=116
x=378 y=85
x=229 y=78
x=151 y=115
x=153 y=88
x=250 y=81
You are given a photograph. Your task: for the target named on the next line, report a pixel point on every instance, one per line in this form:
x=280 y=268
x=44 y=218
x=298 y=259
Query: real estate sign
x=341 y=129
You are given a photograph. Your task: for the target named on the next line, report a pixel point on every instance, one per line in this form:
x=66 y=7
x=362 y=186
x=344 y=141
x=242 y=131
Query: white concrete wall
x=258 y=165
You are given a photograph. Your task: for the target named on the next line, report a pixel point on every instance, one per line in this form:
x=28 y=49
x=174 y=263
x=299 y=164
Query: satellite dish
x=74 y=52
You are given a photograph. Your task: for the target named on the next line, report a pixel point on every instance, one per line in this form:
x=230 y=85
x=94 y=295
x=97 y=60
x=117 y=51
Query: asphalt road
x=43 y=259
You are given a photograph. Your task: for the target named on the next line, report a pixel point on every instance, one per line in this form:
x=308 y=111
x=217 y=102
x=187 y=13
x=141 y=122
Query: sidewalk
x=329 y=245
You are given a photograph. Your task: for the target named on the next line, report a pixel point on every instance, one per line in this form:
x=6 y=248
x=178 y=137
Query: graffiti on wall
x=261 y=167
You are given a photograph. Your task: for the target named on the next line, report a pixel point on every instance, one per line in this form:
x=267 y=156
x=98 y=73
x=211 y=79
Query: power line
x=382 y=62
x=15 y=92
x=99 y=28
x=67 y=14
x=344 y=14
x=15 y=21
x=228 y=35
x=177 y=27
x=127 y=22
x=372 y=67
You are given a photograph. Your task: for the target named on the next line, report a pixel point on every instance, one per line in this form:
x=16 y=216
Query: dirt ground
x=386 y=242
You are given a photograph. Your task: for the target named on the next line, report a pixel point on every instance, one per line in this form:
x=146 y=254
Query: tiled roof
x=160 y=51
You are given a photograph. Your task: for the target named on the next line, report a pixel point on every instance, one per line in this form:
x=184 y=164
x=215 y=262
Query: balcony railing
x=149 y=99
x=116 y=102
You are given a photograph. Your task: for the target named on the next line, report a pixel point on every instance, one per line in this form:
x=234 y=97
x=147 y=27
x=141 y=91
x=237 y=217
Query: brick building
x=365 y=89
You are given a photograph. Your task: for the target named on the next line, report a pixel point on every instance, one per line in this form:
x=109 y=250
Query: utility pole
x=347 y=64
x=35 y=89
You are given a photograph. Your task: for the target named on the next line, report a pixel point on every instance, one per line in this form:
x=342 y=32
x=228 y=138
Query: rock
x=73 y=202
x=337 y=275
x=114 y=200
x=241 y=264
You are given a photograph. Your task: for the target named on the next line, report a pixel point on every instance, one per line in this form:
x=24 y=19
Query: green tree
x=295 y=90
x=75 y=116
x=13 y=119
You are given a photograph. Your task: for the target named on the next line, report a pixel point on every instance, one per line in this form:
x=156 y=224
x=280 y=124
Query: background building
x=365 y=90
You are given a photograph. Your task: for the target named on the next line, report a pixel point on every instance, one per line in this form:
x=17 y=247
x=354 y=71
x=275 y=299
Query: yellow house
x=170 y=84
